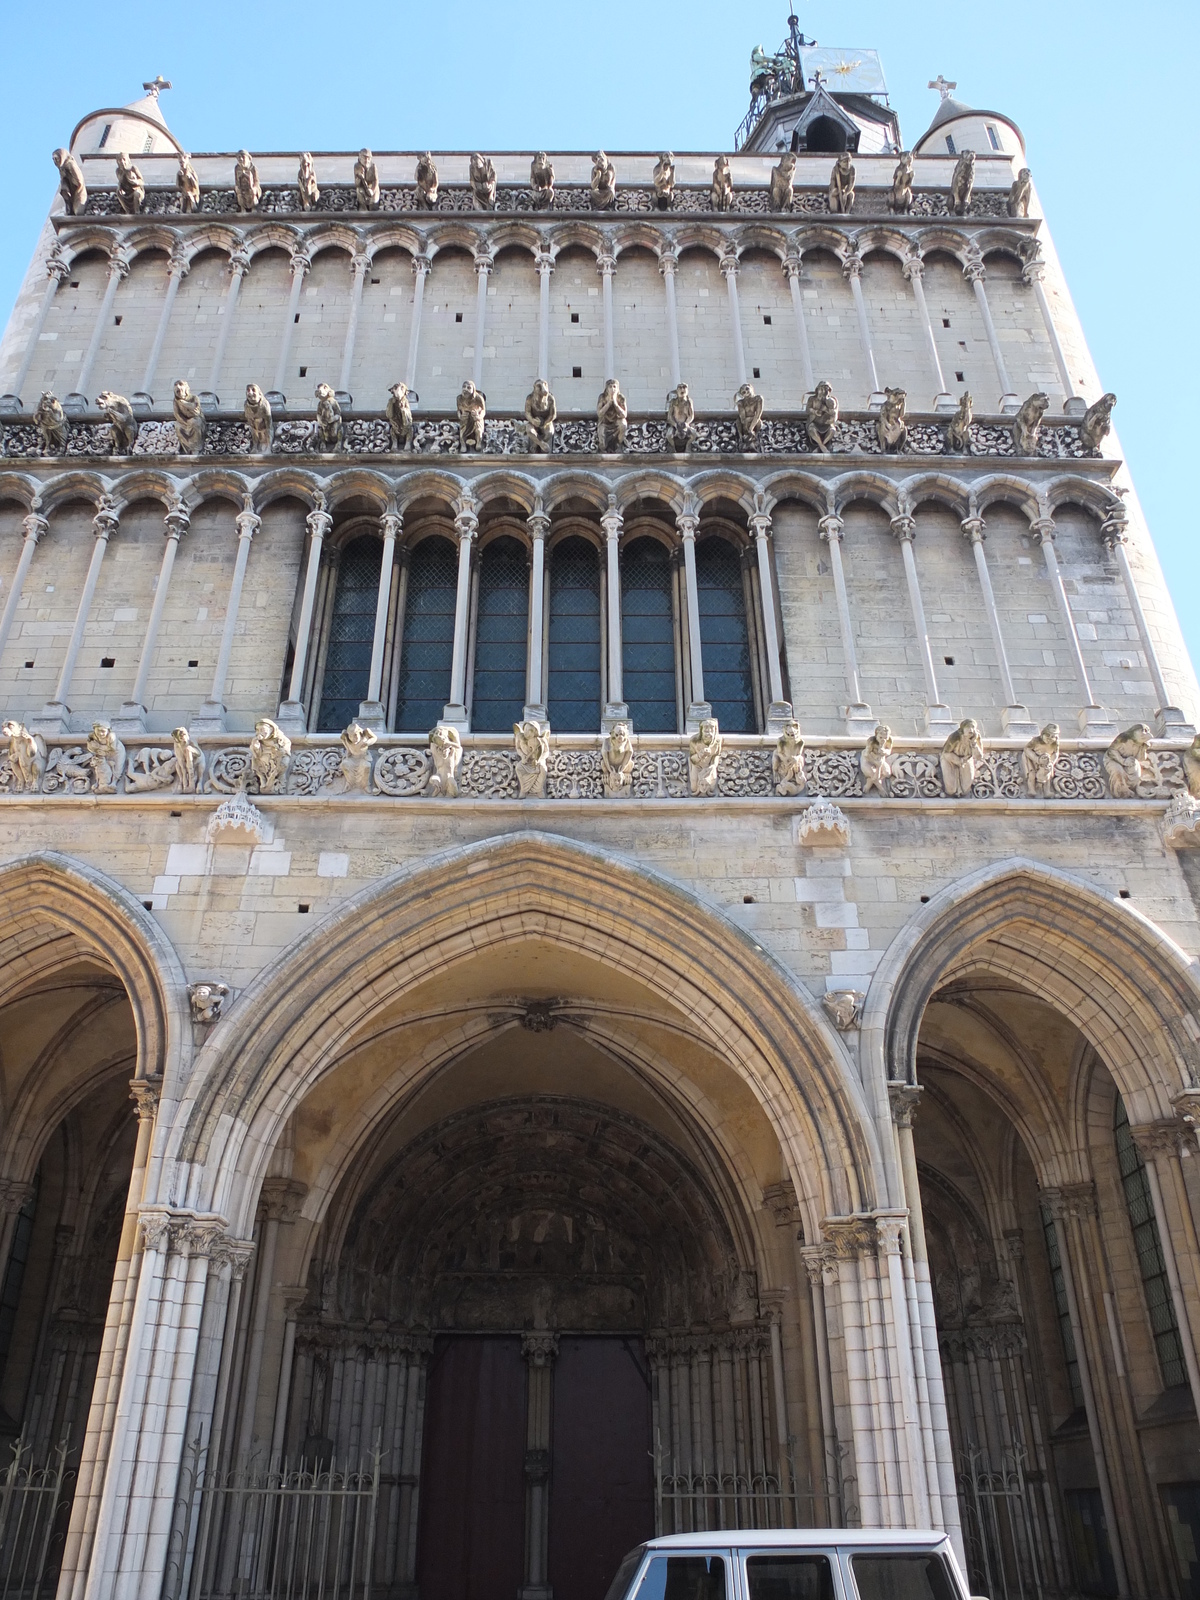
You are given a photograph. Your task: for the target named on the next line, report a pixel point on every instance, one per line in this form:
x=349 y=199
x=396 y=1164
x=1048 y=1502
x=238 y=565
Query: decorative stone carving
x=603 y=183
x=355 y=765
x=270 y=756
x=722 y=185
x=1027 y=424
x=704 y=756
x=904 y=1099
x=1019 y=194
x=821 y=417
x=1181 y=825
x=541 y=181
x=749 y=409
x=70 y=182
x=50 y=420
x=1190 y=762
x=960 y=758
x=958 y=429
x=131 y=189
x=901 y=197
x=533 y=756
x=247 y=190
x=1039 y=762
x=483 y=182
x=541 y=412
x=398 y=412
x=307 y=187
x=122 y=422
x=875 y=761
x=207 y=1001
x=681 y=418
x=327 y=431
x=427 y=181
x=849 y=1237
x=446 y=749
x=962 y=183
x=1071 y=1200
x=844 y=1007
x=823 y=824
x=663 y=179
x=106 y=759
x=257 y=412
x=187 y=184
x=787 y=761
x=782 y=185
x=616 y=762
x=472 y=412
x=26 y=757
x=890 y=426
x=181 y=767
x=1129 y=761
x=612 y=419
x=1096 y=423
x=189 y=419
x=366 y=182
x=237 y=814
x=841 y=184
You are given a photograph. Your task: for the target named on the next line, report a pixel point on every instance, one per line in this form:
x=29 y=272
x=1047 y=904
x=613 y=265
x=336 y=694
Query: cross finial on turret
x=817 y=79
x=158 y=84
x=943 y=88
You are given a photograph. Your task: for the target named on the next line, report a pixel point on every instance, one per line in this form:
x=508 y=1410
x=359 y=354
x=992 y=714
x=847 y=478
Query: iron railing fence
x=35 y=1501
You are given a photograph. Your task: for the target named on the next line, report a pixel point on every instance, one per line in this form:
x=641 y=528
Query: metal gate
x=1000 y=1527
x=34 y=1502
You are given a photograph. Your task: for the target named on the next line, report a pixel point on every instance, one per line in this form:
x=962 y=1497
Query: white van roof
x=800 y=1539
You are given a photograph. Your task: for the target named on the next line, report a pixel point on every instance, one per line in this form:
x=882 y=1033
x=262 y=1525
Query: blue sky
x=1105 y=95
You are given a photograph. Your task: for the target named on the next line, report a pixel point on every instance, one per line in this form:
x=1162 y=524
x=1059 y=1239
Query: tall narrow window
x=573 y=700
x=501 y=636
x=1156 y=1287
x=724 y=637
x=648 y=637
x=14 y=1274
x=351 y=631
x=1062 y=1309
x=427 y=643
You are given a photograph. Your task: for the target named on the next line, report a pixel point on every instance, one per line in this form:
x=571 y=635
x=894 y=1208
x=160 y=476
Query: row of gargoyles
x=891 y=425
x=247 y=189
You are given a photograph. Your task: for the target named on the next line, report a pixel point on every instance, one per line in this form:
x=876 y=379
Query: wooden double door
x=477 y=1472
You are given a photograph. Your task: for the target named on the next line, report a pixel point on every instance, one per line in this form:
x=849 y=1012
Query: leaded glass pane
x=427 y=644
x=724 y=637
x=1062 y=1308
x=648 y=637
x=1140 y=1205
x=573 y=665
x=351 y=633
x=501 y=637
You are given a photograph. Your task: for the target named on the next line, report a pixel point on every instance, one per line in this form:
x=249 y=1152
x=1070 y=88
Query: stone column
x=211 y=716
x=976 y=273
x=1034 y=275
x=1161 y=1145
x=57 y=272
x=132 y=716
x=291 y=715
x=612 y=522
x=371 y=712
x=466 y=525
x=239 y=266
x=421 y=266
x=914 y=270
x=14 y=1197
x=668 y=262
x=544 y=262
x=606 y=265
x=1169 y=721
x=55 y=714
x=852 y=269
x=538 y=524
x=281 y=1198
x=1094 y=718
x=179 y=268
x=858 y=712
x=361 y=267
x=780 y=710
x=1014 y=717
x=939 y=719
x=539 y=1350
x=300 y=265
x=35 y=525
x=118 y=268
x=483 y=269
x=729 y=268
x=686 y=522
x=816 y=1266
x=792 y=268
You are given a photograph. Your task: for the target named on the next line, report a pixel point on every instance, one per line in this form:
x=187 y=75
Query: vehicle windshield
x=918 y=1576
x=784 y=1577
x=683 y=1578
x=619 y=1587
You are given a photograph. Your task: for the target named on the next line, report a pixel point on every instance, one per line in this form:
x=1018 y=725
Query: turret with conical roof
x=957 y=127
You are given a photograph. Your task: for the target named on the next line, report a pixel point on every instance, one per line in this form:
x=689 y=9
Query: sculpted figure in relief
x=270 y=756
x=1027 y=424
x=783 y=183
x=189 y=419
x=890 y=426
x=875 y=761
x=722 y=185
x=664 y=181
x=901 y=198
x=681 y=418
x=844 y=1007
x=821 y=416
x=616 y=762
x=207 y=1001
x=106 y=758
x=962 y=183
x=187 y=184
x=958 y=429
x=189 y=762
x=446 y=749
x=704 y=755
x=306 y=183
x=472 y=412
x=961 y=755
x=247 y=190
x=787 y=761
x=483 y=182
x=604 y=182
x=327 y=434
x=355 y=765
x=1039 y=760
x=183 y=769
x=1129 y=761
x=121 y=420
x=541 y=413
x=612 y=419
x=70 y=182
x=1097 y=422
x=541 y=181
x=257 y=412
x=1190 y=762
x=26 y=757
x=533 y=756
x=427 y=181
x=50 y=420
x=399 y=416
x=1019 y=194
x=749 y=408
x=131 y=189
x=366 y=182
x=841 y=184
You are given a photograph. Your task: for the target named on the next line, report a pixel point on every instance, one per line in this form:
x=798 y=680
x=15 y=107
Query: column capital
x=539 y=1348
x=145 y=1092
x=484 y=262
x=247 y=522
x=904 y=527
x=904 y=1099
x=791 y=267
x=831 y=527
x=760 y=524
x=119 y=262
x=361 y=264
x=611 y=519
x=13 y=1195
x=1042 y=529
x=1070 y=1200
x=913 y=267
x=421 y=265
x=538 y=523
x=1033 y=272
x=973 y=529
x=282 y=1198
x=544 y=261
x=239 y=262
x=1169 y=1137
x=177 y=521
x=668 y=261
x=686 y=523
x=817 y=1263
x=301 y=261
x=852 y=266
x=606 y=263
x=35 y=525
x=974 y=270
x=466 y=518
x=1114 y=529
x=106 y=520
x=177 y=262
x=849 y=1237
x=318 y=521
x=729 y=264
x=391 y=525
x=56 y=267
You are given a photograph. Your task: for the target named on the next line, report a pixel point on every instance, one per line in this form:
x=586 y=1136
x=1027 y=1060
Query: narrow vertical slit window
x=648 y=637
x=573 y=666
x=1156 y=1287
x=501 y=636
x=1062 y=1309
x=351 y=631
x=427 y=644
x=724 y=636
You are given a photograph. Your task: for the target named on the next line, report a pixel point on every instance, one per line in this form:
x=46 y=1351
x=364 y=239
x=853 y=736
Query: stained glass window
x=351 y=632
x=724 y=636
x=1155 y=1285
x=1062 y=1308
x=574 y=692
x=648 y=637
x=501 y=637
x=427 y=644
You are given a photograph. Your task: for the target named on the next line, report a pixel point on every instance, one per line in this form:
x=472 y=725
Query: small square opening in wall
x=108 y=661
x=193 y=663
x=117 y=322
x=296 y=318
x=374 y=280
x=148 y=904
x=1124 y=894
x=757 y=373
x=766 y=319
x=960 y=377
x=458 y=316
x=176 y=813
x=303 y=908
x=74 y=283
x=924 y=899
x=945 y=322
x=949 y=660
x=747 y=899
x=577 y=372
x=304 y=372
x=574 y=316
x=29 y=663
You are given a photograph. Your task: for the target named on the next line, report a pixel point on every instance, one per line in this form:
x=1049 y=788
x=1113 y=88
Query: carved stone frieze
x=843 y=1007
x=1071 y=1200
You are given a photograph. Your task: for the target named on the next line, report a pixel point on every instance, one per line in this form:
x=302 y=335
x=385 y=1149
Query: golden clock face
x=843 y=70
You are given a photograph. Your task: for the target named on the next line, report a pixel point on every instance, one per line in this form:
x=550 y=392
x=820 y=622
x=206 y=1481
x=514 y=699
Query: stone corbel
x=904 y=1098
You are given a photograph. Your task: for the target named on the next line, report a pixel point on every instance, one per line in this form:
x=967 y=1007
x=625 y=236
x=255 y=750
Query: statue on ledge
x=70 y=182
x=1020 y=193
x=821 y=417
x=541 y=181
x=901 y=198
x=427 y=181
x=366 y=182
x=247 y=190
x=722 y=185
x=541 y=412
x=472 y=413
x=257 y=412
x=612 y=419
x=783 y=183
x=189 y=419
x=399 y=416
x=664 y=181
x=327 y=434
x=188 y=185
x=121 y=420
x=131 y=189
x=890 y=426
x=306 y=183
x=483 y=183
x=1027 y=424
x=681 y=418
x=962 y=183
x=604 y=183
x=749 y=408
x=841 y=184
